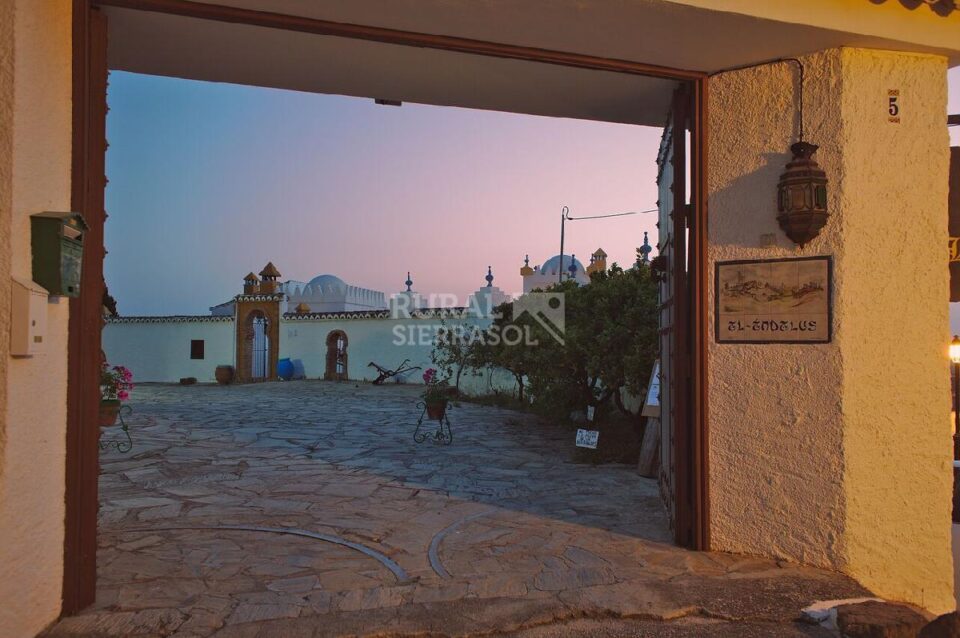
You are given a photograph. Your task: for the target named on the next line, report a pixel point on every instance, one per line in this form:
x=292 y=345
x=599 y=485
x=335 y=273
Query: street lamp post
x=565 y=217
x=563 y=224
x=955 y=367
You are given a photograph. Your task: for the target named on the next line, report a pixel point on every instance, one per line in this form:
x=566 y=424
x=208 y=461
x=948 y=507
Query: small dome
x=328 y=282
x=552 y=265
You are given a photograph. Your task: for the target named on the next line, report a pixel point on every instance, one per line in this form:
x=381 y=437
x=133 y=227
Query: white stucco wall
x=159 y=350
x=386 y=342
x=838 y=454
x=35 y=123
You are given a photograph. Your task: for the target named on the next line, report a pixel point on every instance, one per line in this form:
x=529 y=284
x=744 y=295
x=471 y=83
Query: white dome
x=552 y=265
x=328 y=282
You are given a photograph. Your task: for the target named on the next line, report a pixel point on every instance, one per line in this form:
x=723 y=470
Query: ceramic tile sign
x=774 y=301
x=893 y=106
x=588 y=438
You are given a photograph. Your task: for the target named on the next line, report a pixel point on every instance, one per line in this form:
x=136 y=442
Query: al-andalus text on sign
x=774 y=300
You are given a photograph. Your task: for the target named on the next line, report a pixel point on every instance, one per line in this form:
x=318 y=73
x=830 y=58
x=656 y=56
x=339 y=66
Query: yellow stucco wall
x=896 y=384
x=916 y=26
x=37 y=123
x=6 y=201
x=775 y=438
x=838 y=454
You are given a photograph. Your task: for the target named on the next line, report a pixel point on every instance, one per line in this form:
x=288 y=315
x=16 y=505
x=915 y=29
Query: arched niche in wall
x=336 y=369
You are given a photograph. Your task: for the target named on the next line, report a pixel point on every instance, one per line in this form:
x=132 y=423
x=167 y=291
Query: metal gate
x=260 y=354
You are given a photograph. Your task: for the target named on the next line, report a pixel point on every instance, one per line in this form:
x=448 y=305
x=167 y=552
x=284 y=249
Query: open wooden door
x=86 y=311
x=677 y=266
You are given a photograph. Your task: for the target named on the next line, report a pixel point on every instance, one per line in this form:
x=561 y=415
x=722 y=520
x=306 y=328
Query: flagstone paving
x=306 y=509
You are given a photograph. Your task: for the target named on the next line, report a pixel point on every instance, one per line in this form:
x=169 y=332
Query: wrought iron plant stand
x=442 y=436
x=121 y=445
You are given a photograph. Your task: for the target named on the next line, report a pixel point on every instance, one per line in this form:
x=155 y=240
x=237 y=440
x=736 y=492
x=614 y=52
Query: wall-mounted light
x=802 y=189
x=955 y=369
x=802 y=195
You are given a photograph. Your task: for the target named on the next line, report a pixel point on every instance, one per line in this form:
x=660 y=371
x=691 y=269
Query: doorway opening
x=686 y=470
x=336 y=369
x=258 y=344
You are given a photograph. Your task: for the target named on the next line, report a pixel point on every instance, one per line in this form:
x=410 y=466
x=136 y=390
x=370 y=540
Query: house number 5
x=893 y=106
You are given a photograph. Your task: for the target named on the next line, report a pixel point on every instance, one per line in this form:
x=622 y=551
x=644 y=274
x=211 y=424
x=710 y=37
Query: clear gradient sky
x=210 y=181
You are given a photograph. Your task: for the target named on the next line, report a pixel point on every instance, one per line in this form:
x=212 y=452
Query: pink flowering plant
x=437 y=389
x=116 y=382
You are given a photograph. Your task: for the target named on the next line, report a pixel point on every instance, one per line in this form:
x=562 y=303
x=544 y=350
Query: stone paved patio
x=306 y=509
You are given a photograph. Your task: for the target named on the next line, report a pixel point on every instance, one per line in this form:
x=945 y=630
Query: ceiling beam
x=221 y=13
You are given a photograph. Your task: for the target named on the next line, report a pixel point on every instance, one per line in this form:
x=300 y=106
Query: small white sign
x=651 y=406
x=587 y=438
x=590 y=410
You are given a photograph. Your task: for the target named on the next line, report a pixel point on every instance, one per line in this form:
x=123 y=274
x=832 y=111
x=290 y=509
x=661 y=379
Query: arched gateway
x=258 y=327
x=336 y=369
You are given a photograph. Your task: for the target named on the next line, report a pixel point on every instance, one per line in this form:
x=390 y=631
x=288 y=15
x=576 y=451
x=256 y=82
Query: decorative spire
x=270 y=272
x=526 y=270
x=251 y=284
x=645 y=249
x=489 y=277
x=409 y=282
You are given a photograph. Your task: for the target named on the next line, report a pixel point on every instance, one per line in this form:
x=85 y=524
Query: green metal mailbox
x=57 y=242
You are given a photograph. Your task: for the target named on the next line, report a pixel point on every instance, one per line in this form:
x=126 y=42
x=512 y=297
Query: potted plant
x=115 y=386
x=224 y=374
x=436 y=395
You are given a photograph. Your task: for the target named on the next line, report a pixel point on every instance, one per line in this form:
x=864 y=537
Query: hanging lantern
x=802 y=195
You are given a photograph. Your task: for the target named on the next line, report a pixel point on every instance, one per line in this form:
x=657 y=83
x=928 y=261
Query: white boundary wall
x=158 y=348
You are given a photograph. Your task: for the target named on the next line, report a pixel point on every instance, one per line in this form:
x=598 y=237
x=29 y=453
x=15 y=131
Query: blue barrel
x=285 y=369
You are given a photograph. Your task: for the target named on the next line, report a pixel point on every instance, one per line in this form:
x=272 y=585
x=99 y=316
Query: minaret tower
x=598 y=261
x=526 y=270
x=645 y=250
x=487 y=298
x=572 y=268
x=269 y=275
x=403 y=304
x=251 y=284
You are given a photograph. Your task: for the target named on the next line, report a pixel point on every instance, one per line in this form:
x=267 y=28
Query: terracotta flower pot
x=109 y=409
x=224 y=375
x=436 y=409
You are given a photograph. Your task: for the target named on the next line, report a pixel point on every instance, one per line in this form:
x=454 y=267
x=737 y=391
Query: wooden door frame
x=89 y=112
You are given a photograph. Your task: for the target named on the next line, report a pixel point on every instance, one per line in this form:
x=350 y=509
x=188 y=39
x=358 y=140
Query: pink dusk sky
x=210 y=181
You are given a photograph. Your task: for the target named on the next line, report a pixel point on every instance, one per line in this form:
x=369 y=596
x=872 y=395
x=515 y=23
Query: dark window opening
x=196 y=349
